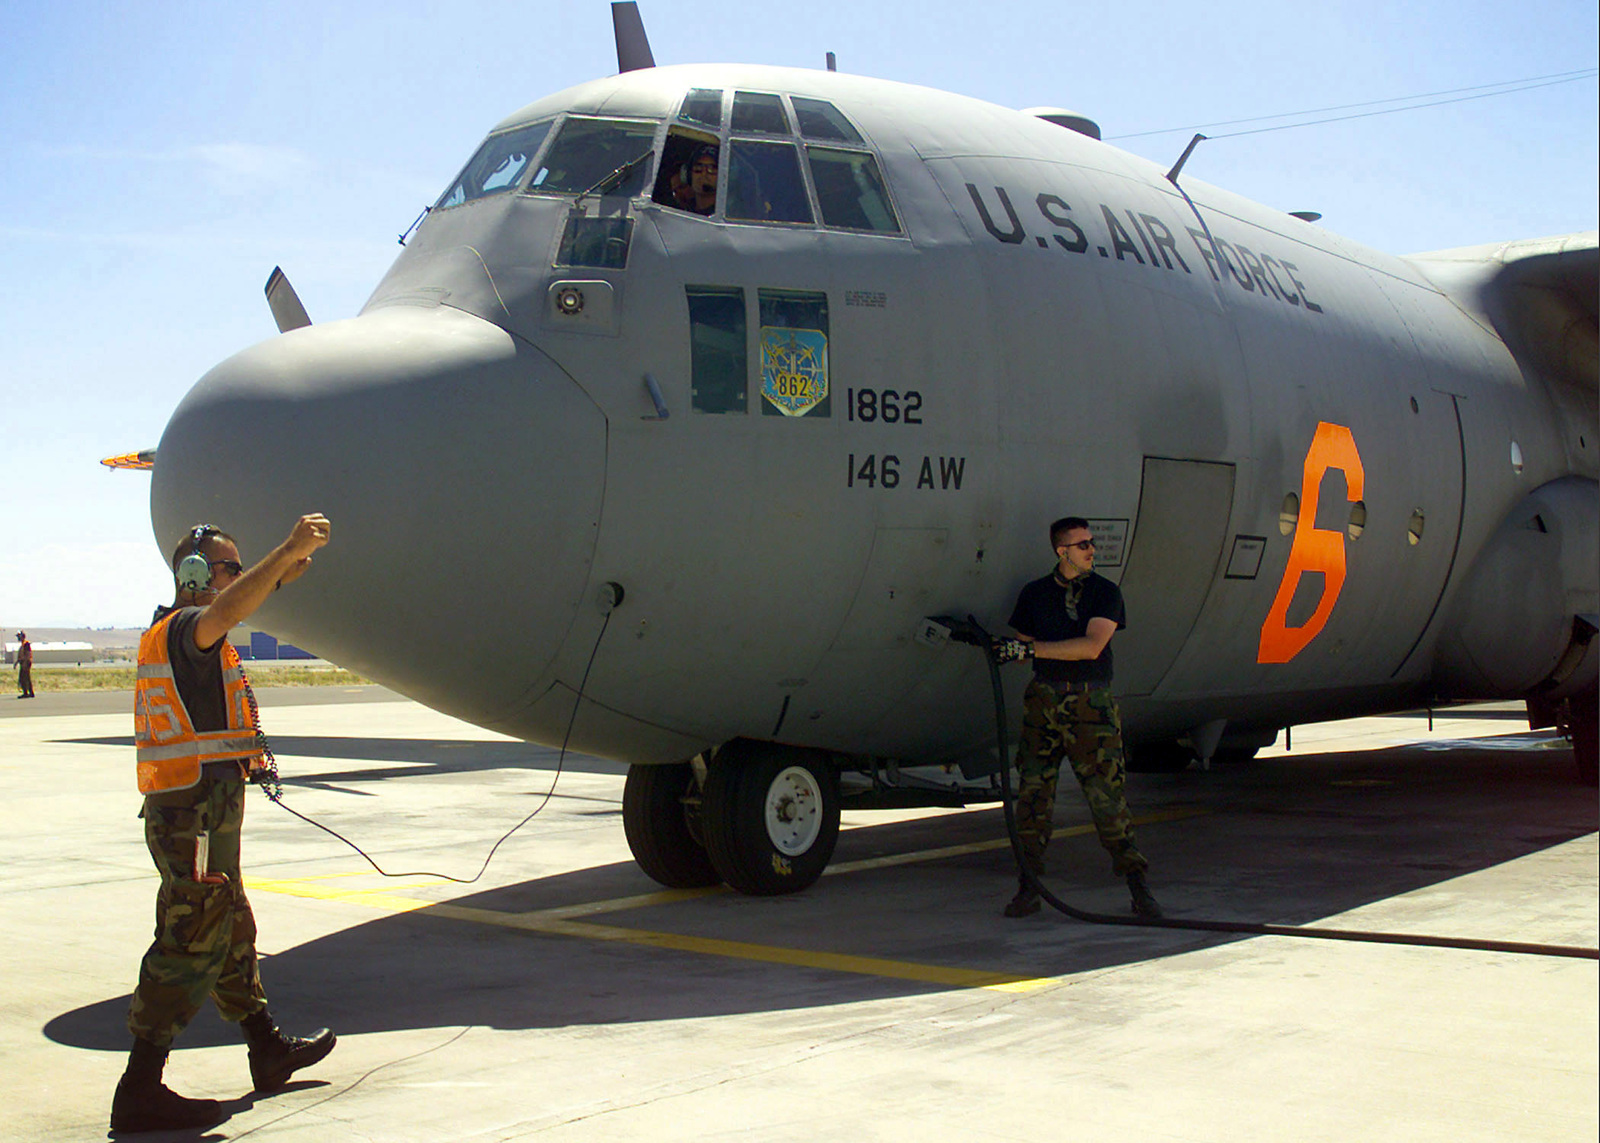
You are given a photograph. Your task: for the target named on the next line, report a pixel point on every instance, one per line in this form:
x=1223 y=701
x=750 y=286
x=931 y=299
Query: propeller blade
x=286 y=308
x=143 y=460
x=633 y=46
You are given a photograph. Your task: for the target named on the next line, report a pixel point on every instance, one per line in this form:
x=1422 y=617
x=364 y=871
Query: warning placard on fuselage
x=1110 y=542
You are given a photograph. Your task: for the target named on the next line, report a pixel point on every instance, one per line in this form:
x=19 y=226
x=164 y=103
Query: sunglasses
x=1081 y=545
x=232 y=567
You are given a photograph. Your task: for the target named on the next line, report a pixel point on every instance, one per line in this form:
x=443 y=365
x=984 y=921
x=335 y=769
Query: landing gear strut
x=1581 y=725
x=1158 y=757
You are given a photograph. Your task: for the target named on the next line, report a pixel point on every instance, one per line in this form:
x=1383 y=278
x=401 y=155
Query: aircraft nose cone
x=462 y=471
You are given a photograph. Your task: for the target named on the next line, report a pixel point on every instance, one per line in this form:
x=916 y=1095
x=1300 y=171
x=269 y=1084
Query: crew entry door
x=1172 y=561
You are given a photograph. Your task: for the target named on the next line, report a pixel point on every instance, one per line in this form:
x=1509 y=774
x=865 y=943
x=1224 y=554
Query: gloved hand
x=1011 y=650
x=961 y=630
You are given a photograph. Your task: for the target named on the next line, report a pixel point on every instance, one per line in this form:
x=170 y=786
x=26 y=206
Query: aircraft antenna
x=1172 y=175
x=633 y=46
x=833 y=62
x=414 y=225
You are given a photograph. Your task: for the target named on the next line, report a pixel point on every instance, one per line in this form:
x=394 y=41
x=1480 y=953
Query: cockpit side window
x=702 y=106
x=597 y=156
x=689 y=170
x=759 y=114
x=498 y=166
x=850 y=191
x=764 y=183
x=820 y=119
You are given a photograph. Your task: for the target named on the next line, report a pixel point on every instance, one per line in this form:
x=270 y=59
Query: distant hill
x=100 y=638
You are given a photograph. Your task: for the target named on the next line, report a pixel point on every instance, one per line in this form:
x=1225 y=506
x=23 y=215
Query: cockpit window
x=850 y=191
x=702 y=106
x=498 y=166
x=687 y=178
x=820 y=119
x=601 y=156
x=759 y=114
x=764 y=183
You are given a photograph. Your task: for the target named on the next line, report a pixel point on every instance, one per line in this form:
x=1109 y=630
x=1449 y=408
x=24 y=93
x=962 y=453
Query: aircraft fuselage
x=1294 y=450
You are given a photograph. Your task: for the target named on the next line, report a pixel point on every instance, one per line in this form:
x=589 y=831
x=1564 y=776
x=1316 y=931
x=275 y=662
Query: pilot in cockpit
x=699 y=194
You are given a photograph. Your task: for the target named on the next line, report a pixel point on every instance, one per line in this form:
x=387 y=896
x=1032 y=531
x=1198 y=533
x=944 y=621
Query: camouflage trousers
x=205 y=941
x=1085 y=727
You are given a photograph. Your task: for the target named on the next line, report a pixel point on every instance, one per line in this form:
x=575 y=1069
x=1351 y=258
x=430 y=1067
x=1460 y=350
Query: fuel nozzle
x=948 y=628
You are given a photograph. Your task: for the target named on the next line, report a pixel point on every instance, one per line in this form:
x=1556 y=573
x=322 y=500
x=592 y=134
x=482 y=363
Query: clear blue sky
x=160 y=158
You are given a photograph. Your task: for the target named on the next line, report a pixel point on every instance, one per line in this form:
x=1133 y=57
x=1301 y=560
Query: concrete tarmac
x=564 y=996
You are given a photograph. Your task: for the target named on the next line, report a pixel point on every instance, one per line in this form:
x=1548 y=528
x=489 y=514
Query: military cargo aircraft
x=701 y=387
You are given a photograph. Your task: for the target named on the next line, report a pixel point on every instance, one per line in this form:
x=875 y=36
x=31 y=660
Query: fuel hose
x=972 y=632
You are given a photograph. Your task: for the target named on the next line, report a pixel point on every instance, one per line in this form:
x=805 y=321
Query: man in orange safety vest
x=196 y=739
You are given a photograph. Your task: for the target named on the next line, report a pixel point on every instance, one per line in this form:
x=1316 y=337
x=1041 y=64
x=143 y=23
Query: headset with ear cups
x=194 y=570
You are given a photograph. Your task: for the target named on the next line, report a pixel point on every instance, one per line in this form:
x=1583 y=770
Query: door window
x=717 y=350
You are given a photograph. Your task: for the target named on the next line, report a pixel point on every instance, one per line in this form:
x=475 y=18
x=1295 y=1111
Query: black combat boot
x=1143 y=903
x=144 y=1103
x=1026 y=902
x=274 y=1056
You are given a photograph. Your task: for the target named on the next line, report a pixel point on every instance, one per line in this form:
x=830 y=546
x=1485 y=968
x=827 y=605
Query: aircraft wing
x=1539 y=294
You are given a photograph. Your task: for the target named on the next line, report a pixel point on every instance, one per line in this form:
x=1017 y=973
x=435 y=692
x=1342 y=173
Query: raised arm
x=284 y=564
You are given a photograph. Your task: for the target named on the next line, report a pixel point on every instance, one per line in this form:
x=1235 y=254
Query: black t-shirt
x=1050 y=611
x=197 y=674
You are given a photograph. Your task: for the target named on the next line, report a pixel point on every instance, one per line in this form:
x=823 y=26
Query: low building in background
x=258 y=646
x=58 y=652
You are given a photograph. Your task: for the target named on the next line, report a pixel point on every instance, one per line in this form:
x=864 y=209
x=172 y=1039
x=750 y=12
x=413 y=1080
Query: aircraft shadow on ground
x=413 y=757
x=1290 y=840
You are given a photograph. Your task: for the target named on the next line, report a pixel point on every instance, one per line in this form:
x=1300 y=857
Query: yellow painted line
x=559 y=921
x=372 y=898
x=744 y=950
x=550 y=922
x=920 y=855
x=637 y=901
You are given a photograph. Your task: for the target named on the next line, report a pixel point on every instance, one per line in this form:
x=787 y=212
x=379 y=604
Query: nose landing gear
x=765 y=822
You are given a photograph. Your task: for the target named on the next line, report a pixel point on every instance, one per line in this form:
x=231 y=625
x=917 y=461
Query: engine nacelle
x=1523 y=619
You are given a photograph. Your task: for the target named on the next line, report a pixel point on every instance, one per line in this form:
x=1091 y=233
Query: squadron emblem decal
x=794 y=369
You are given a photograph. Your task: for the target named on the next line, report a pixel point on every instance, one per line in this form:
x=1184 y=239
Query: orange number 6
x=1315 y=549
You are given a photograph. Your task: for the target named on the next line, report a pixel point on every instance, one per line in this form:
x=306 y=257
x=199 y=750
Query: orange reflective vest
x=170 y=750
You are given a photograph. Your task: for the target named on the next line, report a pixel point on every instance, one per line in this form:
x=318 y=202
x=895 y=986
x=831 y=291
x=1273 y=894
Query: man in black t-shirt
x=1064 y=623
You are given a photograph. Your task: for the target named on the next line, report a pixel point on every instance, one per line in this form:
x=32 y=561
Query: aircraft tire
x=771 y=817
x=1158 y=758
x=660 y=834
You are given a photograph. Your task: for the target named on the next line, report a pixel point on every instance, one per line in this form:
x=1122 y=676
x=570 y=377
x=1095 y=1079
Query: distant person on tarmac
x=1064 y=623
x=24 y=666
x=195 y=731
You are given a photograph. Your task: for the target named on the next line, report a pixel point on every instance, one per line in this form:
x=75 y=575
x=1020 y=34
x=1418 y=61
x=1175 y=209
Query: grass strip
x=52 y=679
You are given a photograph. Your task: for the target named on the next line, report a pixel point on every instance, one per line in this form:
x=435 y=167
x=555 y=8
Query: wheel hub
x=794 y=811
